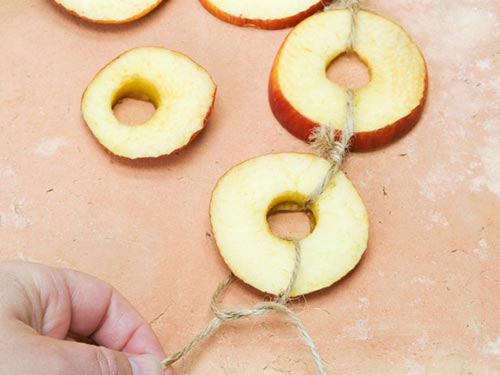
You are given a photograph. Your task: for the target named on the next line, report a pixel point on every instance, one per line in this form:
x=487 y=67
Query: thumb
x=102 y=361
x=145 y=365
x=51 y=356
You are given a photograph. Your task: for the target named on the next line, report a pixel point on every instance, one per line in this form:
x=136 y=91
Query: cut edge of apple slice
x=265 y=261
x=288 y=18
x=301 y=125
x=108 y=19
x=125 y=135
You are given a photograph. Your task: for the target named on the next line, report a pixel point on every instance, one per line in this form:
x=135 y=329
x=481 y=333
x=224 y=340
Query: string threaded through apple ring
x=323 y=139
x=325 y=142
x=261 y=308
x=354 y=7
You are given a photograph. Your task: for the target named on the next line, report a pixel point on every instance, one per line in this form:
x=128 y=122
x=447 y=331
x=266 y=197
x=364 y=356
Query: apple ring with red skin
x=263 y=14
x=302 y=97
x=182 y=92
x=108 y=11
x=248 y=192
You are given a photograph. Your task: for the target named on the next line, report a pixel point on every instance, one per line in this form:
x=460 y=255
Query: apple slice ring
x=245 y=195
x=181 y=90
x=108 y=11
x=263 y=14
x=302 y=97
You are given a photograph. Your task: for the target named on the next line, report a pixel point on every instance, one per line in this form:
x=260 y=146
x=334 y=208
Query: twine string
x=323 y=138
x=325 y=142
x=278 y=305
x=353 y=6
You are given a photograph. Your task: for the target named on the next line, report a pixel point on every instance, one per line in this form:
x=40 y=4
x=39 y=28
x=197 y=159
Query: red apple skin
x=109 y=22
x=177 y=150
x=301 y=126
x=267 y=24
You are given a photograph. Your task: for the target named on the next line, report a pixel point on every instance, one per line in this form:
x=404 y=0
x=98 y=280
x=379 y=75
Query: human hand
x=42 y=309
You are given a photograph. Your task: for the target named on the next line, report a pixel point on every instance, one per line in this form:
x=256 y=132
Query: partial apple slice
x=264 y=14
x=180 y=89
x=246 y=194
x=109 y=11
x=302 y=97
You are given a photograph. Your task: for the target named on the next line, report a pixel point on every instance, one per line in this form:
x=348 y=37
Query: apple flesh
x=180 y=89
x=108 y=11
x=263 y=14
x=242 y=200
x=302 y=97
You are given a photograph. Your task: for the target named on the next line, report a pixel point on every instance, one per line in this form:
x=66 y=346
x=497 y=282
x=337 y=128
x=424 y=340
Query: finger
x=54 y=301
x=48 y=356
x=102 y=313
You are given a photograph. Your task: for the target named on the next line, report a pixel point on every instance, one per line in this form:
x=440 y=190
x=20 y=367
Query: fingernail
x=145 y=365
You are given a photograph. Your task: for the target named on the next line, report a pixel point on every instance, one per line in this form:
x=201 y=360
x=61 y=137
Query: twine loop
x=261 y=308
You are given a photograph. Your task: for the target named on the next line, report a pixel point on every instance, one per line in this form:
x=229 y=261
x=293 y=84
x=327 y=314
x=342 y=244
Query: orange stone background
x=425 y=298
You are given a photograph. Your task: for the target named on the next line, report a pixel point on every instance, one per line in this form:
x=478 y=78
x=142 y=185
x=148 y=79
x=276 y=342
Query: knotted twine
x=323 y=140
x=326 y=143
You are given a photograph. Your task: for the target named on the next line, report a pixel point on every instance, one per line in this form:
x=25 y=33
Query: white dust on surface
x=360 y=330
x=437 y=218
x=490 y=160
x=426 y=281
x=463 y=99
x=422 y=341
x=491 y=348
x=483 y=250
x=12 y=204
x=14 y=216
x=414 y=368
x=476 y=24
x=439 y=182
x=7 y=172
x=364 y=303
x=50 y=146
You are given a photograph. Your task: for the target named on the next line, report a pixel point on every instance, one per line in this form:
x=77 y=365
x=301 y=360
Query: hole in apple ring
x=290 y=220
x=348 y=71
x=136 y=102
x=132 y=111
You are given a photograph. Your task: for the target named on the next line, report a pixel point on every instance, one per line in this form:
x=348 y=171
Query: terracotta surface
x=424 y=300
